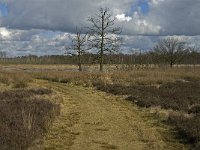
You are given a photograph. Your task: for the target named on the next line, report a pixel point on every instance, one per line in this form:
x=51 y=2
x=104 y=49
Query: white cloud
x=4 y=33
x=155 y=2
x=123 y=17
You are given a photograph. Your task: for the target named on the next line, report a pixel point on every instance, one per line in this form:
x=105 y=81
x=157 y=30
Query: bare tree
x=171 y=49
x=104 y=34
x=78 y=46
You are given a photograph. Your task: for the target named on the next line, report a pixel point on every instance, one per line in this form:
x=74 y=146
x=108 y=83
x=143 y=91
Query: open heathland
x=169 y=101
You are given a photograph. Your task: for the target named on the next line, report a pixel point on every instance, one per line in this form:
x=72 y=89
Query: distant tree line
x=144 y=58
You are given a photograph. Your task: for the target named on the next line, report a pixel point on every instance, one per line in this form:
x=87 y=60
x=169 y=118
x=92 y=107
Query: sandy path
x=93 y=120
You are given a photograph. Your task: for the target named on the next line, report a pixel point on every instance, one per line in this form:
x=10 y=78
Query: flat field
x=56 y=107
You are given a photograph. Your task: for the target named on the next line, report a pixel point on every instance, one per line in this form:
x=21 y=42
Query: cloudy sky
x=43 y=27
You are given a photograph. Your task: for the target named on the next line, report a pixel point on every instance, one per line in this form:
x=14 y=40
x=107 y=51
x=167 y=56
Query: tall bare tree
x=78 y=46
x=171 y=49
x=104 y=33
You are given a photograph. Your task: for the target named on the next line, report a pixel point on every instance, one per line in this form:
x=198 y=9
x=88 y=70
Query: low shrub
x=173 y=95
x=188 y=128
x=24 y=118
x=195 y=109
x=22 y=93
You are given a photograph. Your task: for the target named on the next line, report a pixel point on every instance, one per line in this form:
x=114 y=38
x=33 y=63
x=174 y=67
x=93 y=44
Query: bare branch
x=171 y=49
x=102 y=31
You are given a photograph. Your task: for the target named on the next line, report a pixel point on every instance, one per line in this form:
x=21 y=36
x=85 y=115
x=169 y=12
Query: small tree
x=78 y=47
x=171 y=49
x=104 y=34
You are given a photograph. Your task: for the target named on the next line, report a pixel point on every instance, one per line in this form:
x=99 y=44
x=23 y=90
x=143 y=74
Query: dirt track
x=93 y=120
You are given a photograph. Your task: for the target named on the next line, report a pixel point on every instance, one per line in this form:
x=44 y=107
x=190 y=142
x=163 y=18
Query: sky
x=44 y=27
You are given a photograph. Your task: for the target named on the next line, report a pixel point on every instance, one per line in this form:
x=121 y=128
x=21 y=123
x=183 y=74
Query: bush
x=188 y=128
x=175 y=95
x=24 y=119
x=194 y=109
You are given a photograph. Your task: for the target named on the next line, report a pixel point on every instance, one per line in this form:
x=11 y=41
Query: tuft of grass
x=17 y=80
x=20 y=84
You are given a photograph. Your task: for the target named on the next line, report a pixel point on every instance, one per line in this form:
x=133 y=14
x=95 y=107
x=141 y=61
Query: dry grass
x=67 y=74
x=16 y=80
x=139 y=77
x=168 y=88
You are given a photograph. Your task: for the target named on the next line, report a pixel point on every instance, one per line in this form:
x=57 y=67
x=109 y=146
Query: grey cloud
x=43 y=26
x=180 y=17
x=166 y=17
x=66 y=15
x=140 y=42
x=63 y=15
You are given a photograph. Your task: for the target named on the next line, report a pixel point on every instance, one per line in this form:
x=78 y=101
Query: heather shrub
x=188 y=128
x=24 y=118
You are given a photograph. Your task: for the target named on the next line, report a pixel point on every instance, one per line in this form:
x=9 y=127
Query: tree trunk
x=101 y=60
x=79 y=64
x=171 y=65
x=102 y=45
x=79 y=60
